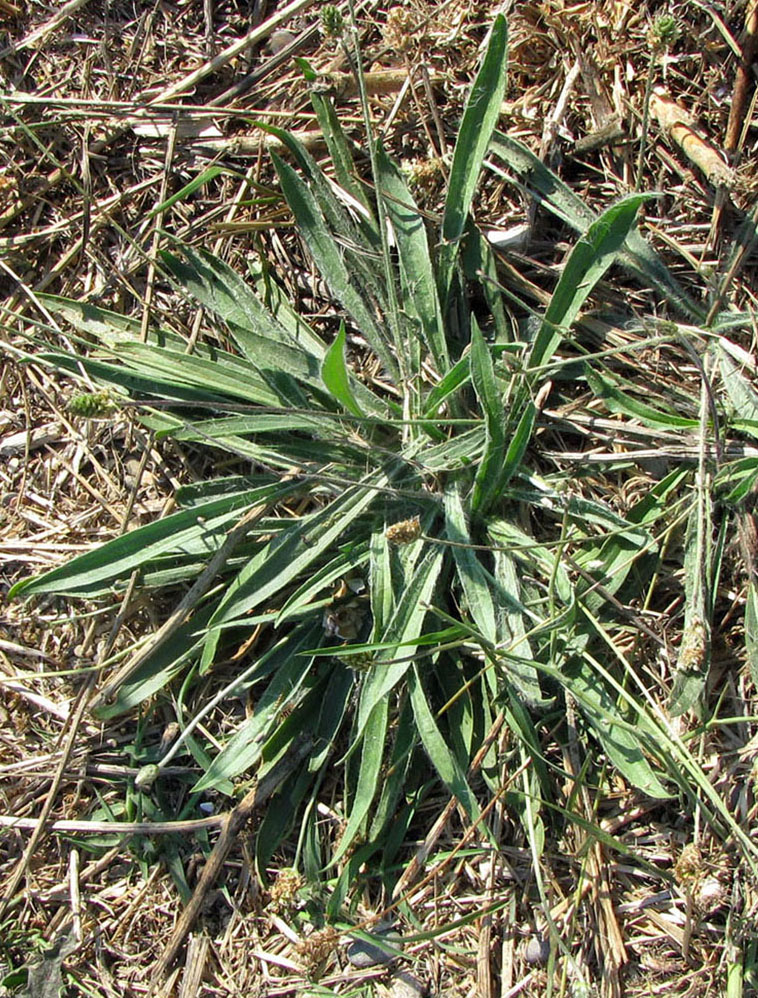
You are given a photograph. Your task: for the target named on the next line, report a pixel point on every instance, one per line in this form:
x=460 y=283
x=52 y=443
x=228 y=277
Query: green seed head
x=93 y=405
x=664 y=32
x=332 y=22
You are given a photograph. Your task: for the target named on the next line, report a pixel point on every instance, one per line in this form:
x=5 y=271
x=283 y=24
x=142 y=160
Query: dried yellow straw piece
x=679 y=125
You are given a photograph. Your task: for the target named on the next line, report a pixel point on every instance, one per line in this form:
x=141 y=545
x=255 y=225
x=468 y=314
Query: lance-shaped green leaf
x=401 y=634
x=203 y=526
x=335 y=375
x=335 y=138
x=607 y=388
x=511 y=632
x=222 y=290
x=737 y=370
x=355 y=224
x=451 y=771
x=386 y=808
x=489 y=393
x=295 y=550
x=419 y=285
x=547 y=188
x=479 y=120
x=372 y=756
x=587 y=262
x=494 y=604
x=327 y=253
x=617 y=734
x=344 y=564
x=195 y=184
x=159 y=668
x=476 y=581
x=289 y=669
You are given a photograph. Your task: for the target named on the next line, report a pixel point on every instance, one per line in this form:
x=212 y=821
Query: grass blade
x=331 y=263
x=587 y=262
x=416 y=270
x=479 y=121
x=449 y=768
x=335 y=375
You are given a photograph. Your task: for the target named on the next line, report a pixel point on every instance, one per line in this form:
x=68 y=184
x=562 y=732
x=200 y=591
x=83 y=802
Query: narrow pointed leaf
x=404 y=626
x=335 y=375
x=330 y=261
x=638 y=256
x=616 y=734
x=195 y=184
x=293 y=551
x=416 y=269
x=289 y=669
x=449 y=769
x=587 y=262
x=172 y=535
x=480 y=118
x=372 y=756
x=489 y=393
x=619 y=401
x=751 y=629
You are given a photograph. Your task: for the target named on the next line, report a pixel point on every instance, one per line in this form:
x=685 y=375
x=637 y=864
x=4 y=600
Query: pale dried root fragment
x=378 y=82
x=681 y=128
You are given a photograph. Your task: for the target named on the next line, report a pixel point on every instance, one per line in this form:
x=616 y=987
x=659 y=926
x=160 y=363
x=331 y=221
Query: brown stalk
x=743 y=81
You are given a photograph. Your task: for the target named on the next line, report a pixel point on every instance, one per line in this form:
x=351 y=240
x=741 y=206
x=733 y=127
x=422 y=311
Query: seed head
x=93 y=405
x=663 y=33
x=689 y=866
x=284 y=889
x=402 y=32
x=318 y=946
x=404 y=531
x=332 y=21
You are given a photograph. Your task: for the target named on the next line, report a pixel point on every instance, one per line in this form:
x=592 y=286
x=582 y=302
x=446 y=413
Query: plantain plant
x=415 y=578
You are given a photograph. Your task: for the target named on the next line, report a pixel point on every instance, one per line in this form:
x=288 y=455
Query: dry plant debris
x=109 y=108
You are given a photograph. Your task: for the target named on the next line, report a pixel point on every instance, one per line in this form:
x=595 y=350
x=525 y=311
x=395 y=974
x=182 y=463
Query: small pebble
x=279 y=40
x=537 y=951
x=405 y=985
x=364 y=954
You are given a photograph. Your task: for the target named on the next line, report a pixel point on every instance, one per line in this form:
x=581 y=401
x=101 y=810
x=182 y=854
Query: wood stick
x=743 y=80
